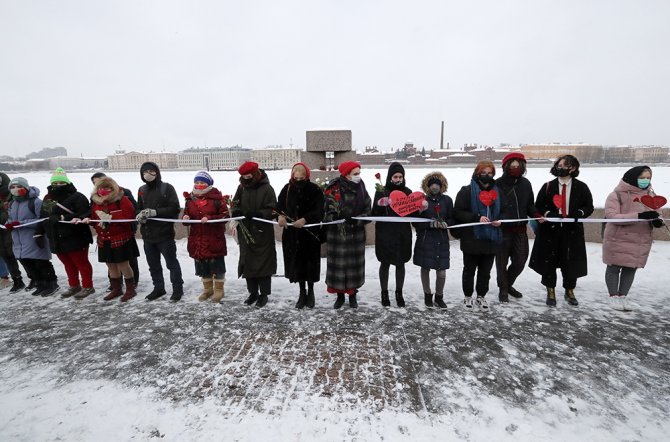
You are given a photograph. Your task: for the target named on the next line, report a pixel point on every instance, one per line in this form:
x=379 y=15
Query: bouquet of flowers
x=333 y=198
x=232 y=205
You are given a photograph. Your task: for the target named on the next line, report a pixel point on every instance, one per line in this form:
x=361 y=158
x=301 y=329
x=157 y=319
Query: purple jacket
x=22 y=237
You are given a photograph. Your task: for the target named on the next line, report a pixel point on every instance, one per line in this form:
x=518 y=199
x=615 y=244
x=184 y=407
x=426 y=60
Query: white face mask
x=149 y=177
x=15 y=191
x=356 y=178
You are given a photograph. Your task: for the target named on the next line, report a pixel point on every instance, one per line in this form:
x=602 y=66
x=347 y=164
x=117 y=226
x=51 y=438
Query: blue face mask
x=643 y=183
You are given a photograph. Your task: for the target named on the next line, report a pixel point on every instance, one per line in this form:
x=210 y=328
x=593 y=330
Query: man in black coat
x=157 y=199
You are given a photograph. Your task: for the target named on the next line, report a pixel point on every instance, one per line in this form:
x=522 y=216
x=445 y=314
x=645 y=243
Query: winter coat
x=208 y=240
x=517 y=202
x=431 y=249
x=393 y=241
x=120 y=207
x=5 y=235
x=345 y=263
x=626 y=244
x=257 y=259
x=302 y=247
x=561 y=244
x=63 y=204
x=24 y=246
x=464 y=213
x=163 y=199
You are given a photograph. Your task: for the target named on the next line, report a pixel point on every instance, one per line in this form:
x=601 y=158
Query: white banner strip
x=29 y=223
x=166 y=220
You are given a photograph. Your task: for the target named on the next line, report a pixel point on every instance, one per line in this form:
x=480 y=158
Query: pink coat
x=626 y=244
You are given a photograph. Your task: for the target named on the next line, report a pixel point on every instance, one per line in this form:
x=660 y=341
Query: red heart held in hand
x=487 y=197
x=558 y=202
x=654 y=202
x=403 y=204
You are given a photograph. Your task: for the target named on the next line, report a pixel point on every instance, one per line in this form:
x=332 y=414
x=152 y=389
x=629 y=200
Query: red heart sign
x=201 y=203
x=558 y=202
x=654 y=202
x=487 y=197
x=403 y=204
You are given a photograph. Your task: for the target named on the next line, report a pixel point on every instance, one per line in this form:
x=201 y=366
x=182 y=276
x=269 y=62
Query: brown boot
x=130 y=290
x=218 y=290
x=207 y=289
x=116 y=289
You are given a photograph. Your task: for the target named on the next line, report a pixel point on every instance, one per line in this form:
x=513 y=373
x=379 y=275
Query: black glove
x=657 y=222
x=39 y=240
x=649 y=214
x=350 y=220
x=552 y=215
x=250 y=215
x=578 y=214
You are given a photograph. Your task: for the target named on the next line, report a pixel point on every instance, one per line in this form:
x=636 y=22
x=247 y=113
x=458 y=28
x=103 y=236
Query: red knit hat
x=248 y=167
x=513 y=156
x=346 y=167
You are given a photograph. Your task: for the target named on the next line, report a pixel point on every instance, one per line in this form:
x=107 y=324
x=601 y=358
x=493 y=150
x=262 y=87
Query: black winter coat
x=464 y=214
x=163 y=199
x=431 y=250
x=393 y=241
x=562 y=244
x=301 y=247
x=63 y=204
x=517 y=200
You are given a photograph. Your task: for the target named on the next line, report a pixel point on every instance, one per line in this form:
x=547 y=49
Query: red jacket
x=117 y=233
x=207 y=240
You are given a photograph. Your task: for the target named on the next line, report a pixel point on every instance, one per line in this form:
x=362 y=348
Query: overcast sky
x=95 y=75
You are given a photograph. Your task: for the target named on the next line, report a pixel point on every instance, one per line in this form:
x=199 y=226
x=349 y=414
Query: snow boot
x=32 y=285
x=468 y=301
x=439 y=300
x=155 y=294
x=71 y=291
x=207 y=289
x=551 y=297
x=18 y=285
x=83 y=293
x=481 y=302
x=302 y=299
x=353 y=303
x=130 y=290
x=514 y=293
x=399 y=299
x=177 y=293
x=385 y=298
x=116 y=289
x=38 y=286
x=262 y=301
x=503 y=296
x=310 y=298
x=570 y=297
x=50 y=287
x=253 y=297
x=218 y=291
x=339 y=302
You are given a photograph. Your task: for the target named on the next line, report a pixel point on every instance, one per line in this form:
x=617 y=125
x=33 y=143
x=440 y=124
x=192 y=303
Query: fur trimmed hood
x=107 y=182
x=437 y=175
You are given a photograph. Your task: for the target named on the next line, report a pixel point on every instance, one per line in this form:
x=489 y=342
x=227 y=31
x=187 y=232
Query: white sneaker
x=481 y=302
x=468 y=301
x=4 y=283
x=625 y=306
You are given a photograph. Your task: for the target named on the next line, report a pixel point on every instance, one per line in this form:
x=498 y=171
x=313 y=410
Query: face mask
x=515 y=173
x=104 y=192
x=643 y=183
x=562 y=172
x=149 y=177
x=18 y=191
x=246 y=181
x=201 y=186
x=485 y=179
x=435 y=189
x=397 y=182
x=55 y=186
x=356 y=179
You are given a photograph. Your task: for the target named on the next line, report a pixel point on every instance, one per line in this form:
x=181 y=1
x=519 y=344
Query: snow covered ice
x=96 y=370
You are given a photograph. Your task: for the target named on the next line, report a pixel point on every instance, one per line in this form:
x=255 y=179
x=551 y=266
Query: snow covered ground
x=95 y=370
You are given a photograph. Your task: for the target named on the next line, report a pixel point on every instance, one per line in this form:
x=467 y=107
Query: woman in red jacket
x=206 y=240
x=116 y=241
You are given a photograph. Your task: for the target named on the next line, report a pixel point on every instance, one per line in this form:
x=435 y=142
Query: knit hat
x=59 y=176
x=19 y=181
x=204 y=177
x=346 y=167
x=513 y=156
x=248 y=167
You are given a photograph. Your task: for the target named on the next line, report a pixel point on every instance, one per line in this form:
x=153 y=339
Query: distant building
x=276 y=158
x=69 y=163
x=587 y=153
x=213 y=158
x=651 y=154
x=123 y=160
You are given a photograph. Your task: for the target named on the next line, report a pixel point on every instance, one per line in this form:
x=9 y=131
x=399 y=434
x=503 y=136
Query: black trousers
x=514 y=248
x=153 y=252
x=480 y=264
x=264 y=284
x=39 y=269
x=13 y=267
x=549 y=279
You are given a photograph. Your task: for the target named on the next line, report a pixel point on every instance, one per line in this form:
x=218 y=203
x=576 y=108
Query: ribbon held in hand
x=403 y=204
x=487 y=197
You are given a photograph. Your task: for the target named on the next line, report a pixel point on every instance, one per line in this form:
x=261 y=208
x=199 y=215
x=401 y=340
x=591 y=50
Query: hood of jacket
x=624 y=187
x=107 y=182
x=439 y=176
x=150 y=165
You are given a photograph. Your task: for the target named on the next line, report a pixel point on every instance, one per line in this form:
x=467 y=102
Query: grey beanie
x=19 y=181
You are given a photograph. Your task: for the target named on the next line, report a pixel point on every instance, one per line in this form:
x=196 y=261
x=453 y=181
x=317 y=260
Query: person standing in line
x=479 y=202
x=31 y=248
x=346 y=197
x=255 y=198
x=116 y=241
x=562 y=244
x=158 y=199
x=393 y=241
x=517 y=202
x=69 y=241
x=300 y=202
x=6 y=252
x=626 y=245
x=207 y=240
x=431 y=249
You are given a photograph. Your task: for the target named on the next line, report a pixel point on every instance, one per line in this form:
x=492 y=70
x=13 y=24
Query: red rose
x=437 y=209
x=337 y=197
x=378 y=176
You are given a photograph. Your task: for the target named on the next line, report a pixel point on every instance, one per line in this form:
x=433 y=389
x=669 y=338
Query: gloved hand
x=578 y=214
x=141 y=218
x=349 y=220
x=649 y=214
x=384 y=202
x=11 y=225
x=657 y=222
x=552 y=215
x=248 y=215
x=39 y=240
x=150 y=213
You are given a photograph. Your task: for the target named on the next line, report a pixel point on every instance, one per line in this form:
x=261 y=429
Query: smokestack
x=442 y=137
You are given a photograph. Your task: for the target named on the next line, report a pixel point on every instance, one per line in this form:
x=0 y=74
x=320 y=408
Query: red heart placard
x=487 y=197
x=558 y=202
x=654 y=202
x=403 y=204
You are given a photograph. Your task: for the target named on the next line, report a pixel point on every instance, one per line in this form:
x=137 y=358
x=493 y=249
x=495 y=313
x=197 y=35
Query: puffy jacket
x=163 y=199
x=120 y=207
x=208 y=240
x=24 y=245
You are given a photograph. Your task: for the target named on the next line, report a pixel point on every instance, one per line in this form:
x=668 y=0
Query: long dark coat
x=64 y=238
x=257 y=259
x=464 y=214
x=562 y=245
x=431 y=249
x=208 y=240
x=301 y=247
x=346 y=242
x=393 y=241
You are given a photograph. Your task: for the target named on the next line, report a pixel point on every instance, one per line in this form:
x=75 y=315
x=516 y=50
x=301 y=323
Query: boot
x=399 y=299
x=207 y=289
x=50 y=287
x=310 y=297
x=514 y=293
x=339 y=302
x=38 y=286
x=385 y=298
x=177 y=292
x=428 y=299
x=503 y=296
x=71 y=291
x=218 y=291
x=130 y=290
x=262 y=300
x=253 y=297
x=116 y=289
x=302 y=300
x=570 y=297
x=86 y=291
x=155 y=294
x=551 y=297
x=18 y=285
x=439 y=300
x=32 y=285
x=353 y=303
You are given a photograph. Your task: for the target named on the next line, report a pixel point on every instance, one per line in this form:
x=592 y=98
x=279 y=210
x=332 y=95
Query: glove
x=649 y=214
x=39 y=240
x=578 y=214
x=140 y=218
x=350 y=220
x=150 y=213
x=434 y=224
x=383 y=202
x=552 y=215
x=443 y=225
x=10 y=226
x=657 y=222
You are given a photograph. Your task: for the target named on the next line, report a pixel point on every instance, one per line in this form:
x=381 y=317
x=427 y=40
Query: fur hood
x=107 y=182
x=439 y=176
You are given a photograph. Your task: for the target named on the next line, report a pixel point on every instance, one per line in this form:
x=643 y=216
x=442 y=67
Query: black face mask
x=246 y=182
x=300 y=183
x=485 y=179
x=562 y=172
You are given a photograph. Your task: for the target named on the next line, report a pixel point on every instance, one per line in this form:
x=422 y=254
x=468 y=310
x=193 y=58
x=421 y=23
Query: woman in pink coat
x=626 y=245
